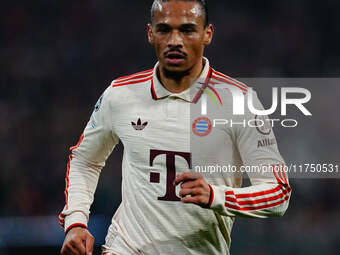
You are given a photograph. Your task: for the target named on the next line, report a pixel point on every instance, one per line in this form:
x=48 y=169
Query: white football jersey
x=160 y=140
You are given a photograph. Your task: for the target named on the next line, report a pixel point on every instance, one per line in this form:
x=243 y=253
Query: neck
x=181 y=81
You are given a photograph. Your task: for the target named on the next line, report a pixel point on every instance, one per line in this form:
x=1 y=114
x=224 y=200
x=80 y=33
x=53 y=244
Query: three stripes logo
x=139 y=126
x=202 y=126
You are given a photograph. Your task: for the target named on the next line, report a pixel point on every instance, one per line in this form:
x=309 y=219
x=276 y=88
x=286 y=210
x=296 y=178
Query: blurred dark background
x=57 y=57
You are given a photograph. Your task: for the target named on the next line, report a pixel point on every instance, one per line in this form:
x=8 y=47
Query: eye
x=163 y=30
x=188 y=30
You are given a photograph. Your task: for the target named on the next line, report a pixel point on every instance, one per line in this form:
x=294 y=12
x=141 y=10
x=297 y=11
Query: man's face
x=178 y=34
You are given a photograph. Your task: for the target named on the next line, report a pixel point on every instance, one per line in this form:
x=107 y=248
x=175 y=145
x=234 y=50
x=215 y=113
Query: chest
x=168 y=125
x=154 y=124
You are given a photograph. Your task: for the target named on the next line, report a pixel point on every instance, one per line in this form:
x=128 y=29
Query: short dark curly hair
x=203 y=4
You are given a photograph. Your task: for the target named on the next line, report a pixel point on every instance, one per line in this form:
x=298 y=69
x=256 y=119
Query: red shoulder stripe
x=132 y=82
x=229 y=82
x=230 y=79
x=128 y=76
x=133 y=78
x=213 y=83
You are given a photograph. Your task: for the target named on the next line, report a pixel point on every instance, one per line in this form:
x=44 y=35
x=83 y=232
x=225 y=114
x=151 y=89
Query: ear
x=208 y=35
x=150 y=34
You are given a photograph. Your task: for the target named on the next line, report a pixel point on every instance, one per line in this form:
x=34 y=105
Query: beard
x=175 y=75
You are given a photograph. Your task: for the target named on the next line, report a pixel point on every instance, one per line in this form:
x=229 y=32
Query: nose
x=175 y=39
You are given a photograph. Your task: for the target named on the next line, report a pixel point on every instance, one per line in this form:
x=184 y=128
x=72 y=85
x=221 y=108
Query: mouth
x=174 y=58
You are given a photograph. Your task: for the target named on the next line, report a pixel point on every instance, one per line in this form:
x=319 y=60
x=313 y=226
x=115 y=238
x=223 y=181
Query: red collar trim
x=153 y=92
x=204 y=85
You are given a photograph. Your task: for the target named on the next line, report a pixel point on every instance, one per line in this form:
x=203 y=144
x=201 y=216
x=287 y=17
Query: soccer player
x=166 y=207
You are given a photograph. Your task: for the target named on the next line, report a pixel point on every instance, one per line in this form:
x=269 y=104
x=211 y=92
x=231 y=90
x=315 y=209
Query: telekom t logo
x=170 y=194
x=238 y=101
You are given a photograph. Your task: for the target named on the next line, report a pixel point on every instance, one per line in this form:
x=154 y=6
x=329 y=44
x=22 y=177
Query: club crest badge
x=202 y=126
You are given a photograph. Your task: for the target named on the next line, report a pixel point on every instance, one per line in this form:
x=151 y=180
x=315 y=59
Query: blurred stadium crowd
x=57 y=57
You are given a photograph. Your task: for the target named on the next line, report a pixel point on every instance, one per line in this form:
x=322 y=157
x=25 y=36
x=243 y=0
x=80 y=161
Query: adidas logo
x=139 y=126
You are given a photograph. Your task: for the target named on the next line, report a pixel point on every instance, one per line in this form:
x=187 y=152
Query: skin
x=178 y=27
x=78 y=241
x=194 y=189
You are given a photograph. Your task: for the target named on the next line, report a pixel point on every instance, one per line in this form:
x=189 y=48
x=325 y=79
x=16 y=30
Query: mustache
x=175 y=50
